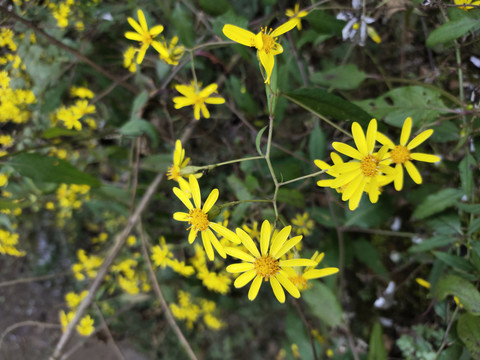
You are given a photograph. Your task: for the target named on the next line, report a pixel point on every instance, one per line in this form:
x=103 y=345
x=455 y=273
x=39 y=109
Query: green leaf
x=138 y=103
x=324 y=304
x=467 y=293
x=432 y=243
x=454 y=261
x=420 y=103
x=215 y=7
x=376 y=347
x=452 y=30
x=13 y=204
x=317 y=143
x=291 y=196
x=42 y=168
x=368 y=254
x=230 y=17
x=138 y=127
x=345 y=77
x=57 y=132
x=157 y=162
x=465 y=168
x=258 y=140
x=183 y=23
x=324 y=23
x=437 y=202
x=444 y=132
x=242 y=193
x=474 y=226
x=468 y=329
x=325 y=104
x=470 y=208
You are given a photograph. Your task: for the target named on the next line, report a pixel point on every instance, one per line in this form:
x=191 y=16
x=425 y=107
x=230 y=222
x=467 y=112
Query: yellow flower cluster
x=218 y=281
x=87 y=266
x=129 y=277
x=191 y=310
x=370 y=170
x=71 y=115
x=70 y=198
x=302 y=224
x=62 y=12
x=85 y=326
x=10 y=47
x=162 y=257
x=14 y=102
x=8 y=244
x=168 y=52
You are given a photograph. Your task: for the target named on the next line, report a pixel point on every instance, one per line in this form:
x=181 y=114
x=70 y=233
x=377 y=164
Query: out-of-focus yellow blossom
x=73 y=299
x=253 y=232
x=194 y=96
x=61 y=12
x=85 y=326
x=144 y=36
x=181 y=268
x=171 y=53
x=3 y=179
x=191 y=310
x=70 y=119
x=215 y=281
x=50 y=205
x=8 y=244
x=70 y=198
x=131 y=240
x=66 y=318
x=81 y=92
x=87 y=266
x=208 y=307
x=80 y=26
x=161 y=256
x=295 y=14
x=464 y=4
x=6 y=140
x=303 y=225
x=128 y=59
x=295 y=353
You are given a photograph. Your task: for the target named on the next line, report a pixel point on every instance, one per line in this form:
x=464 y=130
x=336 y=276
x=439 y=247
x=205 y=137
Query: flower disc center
x=400 y=155
x=369 y=165
x=268 y=41
x=266 y=266
x=198 y=219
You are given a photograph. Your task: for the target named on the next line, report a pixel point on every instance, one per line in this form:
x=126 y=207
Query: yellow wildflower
x=295 y=14
x=160 y=254
x=303 y=224
x=3 y=180
x=128 y=59
x=85 y=326
x=464 y=4
x=196 y=97
x=73 y=299
x=179 y=162
x=66 y=318
x=81 y=92
x=131 y=240
x=171 y=53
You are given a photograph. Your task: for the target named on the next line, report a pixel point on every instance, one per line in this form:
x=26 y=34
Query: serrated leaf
x=323 y=304
x=376 y=348
x=465 y=168
x=454 y=261
x=467 y=293
x=432 y=243
x=325 y=104
x=138 y=127
x=345 y=77
x=422 y=104
x=468 y=329
x=42 y=168
x=437 y=202
x=57 y=132
x=452 y=30
x=317 y=143
x=258 y=139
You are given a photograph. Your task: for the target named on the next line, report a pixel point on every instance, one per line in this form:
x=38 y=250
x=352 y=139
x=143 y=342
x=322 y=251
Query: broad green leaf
x=291 y=196
x=258 y=140
x=474 y=226
x=422 y=104
x=325 y=104
x=138 y=127
x=467 y=293
x=452 y=30
x=183 y=24
x=376 y=348
x=444 y=132
x=325 y=23
x=437 y=202
x=468 y=329
x=469 y=208
x=50 y=169
x=138 y=103
x=345 y=77
x=454 y=261
x=323 y=304
x=317 y=143
x=57 y=132
x=466 y=168
x=215 y=7
x=296 y=333
x=158 y=162
x=368 y=254
x=432 y=243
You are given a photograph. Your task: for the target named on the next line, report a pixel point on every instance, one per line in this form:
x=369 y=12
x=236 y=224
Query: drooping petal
x=248 y=243
x=239 y=35
x=413 y=172
x=211 y=200
x=425 y=157
x=226 y=233
x=351 y=187
x=319 y=273
x=197 y=200
x=398 y=181
x=277 y=290
x=239 y=254
x=205 y=112
x=359 y=138
x=282 y=29
x=253 y=292
x=297 y=262
x=420 y=138
x=177 y=153
x=288 y=285
x=181 y=216
x=245 y=278
x=268 y=61
x=357 y=195
x=130 y=35
x=135 y=25
x=258 y=41
x=347 y=150
x=216 y=244
x=207 y=244
x=373 y=190
x=141 y=53
x=371 y=135
x=384 y=140
x=406 y=130
x=265 y=233
x=192 y=236
x=279 y=240
x=183 y=198
x=240 y=267
x=196 y=112
x=160 y=48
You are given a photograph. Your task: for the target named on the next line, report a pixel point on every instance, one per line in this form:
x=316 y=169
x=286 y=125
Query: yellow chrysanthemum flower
x=265 y=264
x=295 y=14
x=303 y=224
x=193 y=95
x=197 y=217
x=171 y=53
x=401 y=156
x=299 y=278
x=366 y=171
x=464 y=4
x=265 y=42
x=144 y=36
x=179 y=162
x=85 y=327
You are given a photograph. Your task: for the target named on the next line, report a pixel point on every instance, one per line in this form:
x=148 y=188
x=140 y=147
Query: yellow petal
x=217 y=100
x=186 y=90
x=207 y=245
x=205 y=112
x=359 y=138
x=244 y=279
x=253 y=292
x=216 y=244
x=287 y=246
x=226 y=233
x=183 y=198
x=420 y=138
x=135 y=25
x=398 y=180
x=347 y=150
x=196 y=112
x=413 y=172
x=319 y=273
x=192 y=236
x=279 y=240
x=248 y=242
x=277 y=290
x=133 y=36
x=268 y=61
x=282 y=29
x=382 y=139
x=425 y=157
x=240 y=267
x=265 y=233
x=239 y=35
x=288 y=285
x=181 y=216
x=211 y=200
x=156 y=30
x=297 y=262
x=371 y=135
x=141 y=53
x=210 y=89
x=197 y=200
x=406 y=130
x=239 y=254
x=142 y=21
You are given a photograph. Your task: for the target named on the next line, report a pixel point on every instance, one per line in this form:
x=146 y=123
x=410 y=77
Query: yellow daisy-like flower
x=303 y=224
x=197 y=217
x=179 y=162
x=193 y=95
x=295 y=14
x=401 y=156
x=366 y=171
x=171 y=52
x=300 y=278
x=85 y=327
x=464 y=4
x=265 y=42
x=144 y=36
x=265 y=264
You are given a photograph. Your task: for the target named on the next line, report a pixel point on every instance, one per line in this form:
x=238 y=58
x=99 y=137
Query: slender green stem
x=210 y=167
x=192 y=63
x=234 y=203
x=270 y=167
x=210 y=44
x=301 y=178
